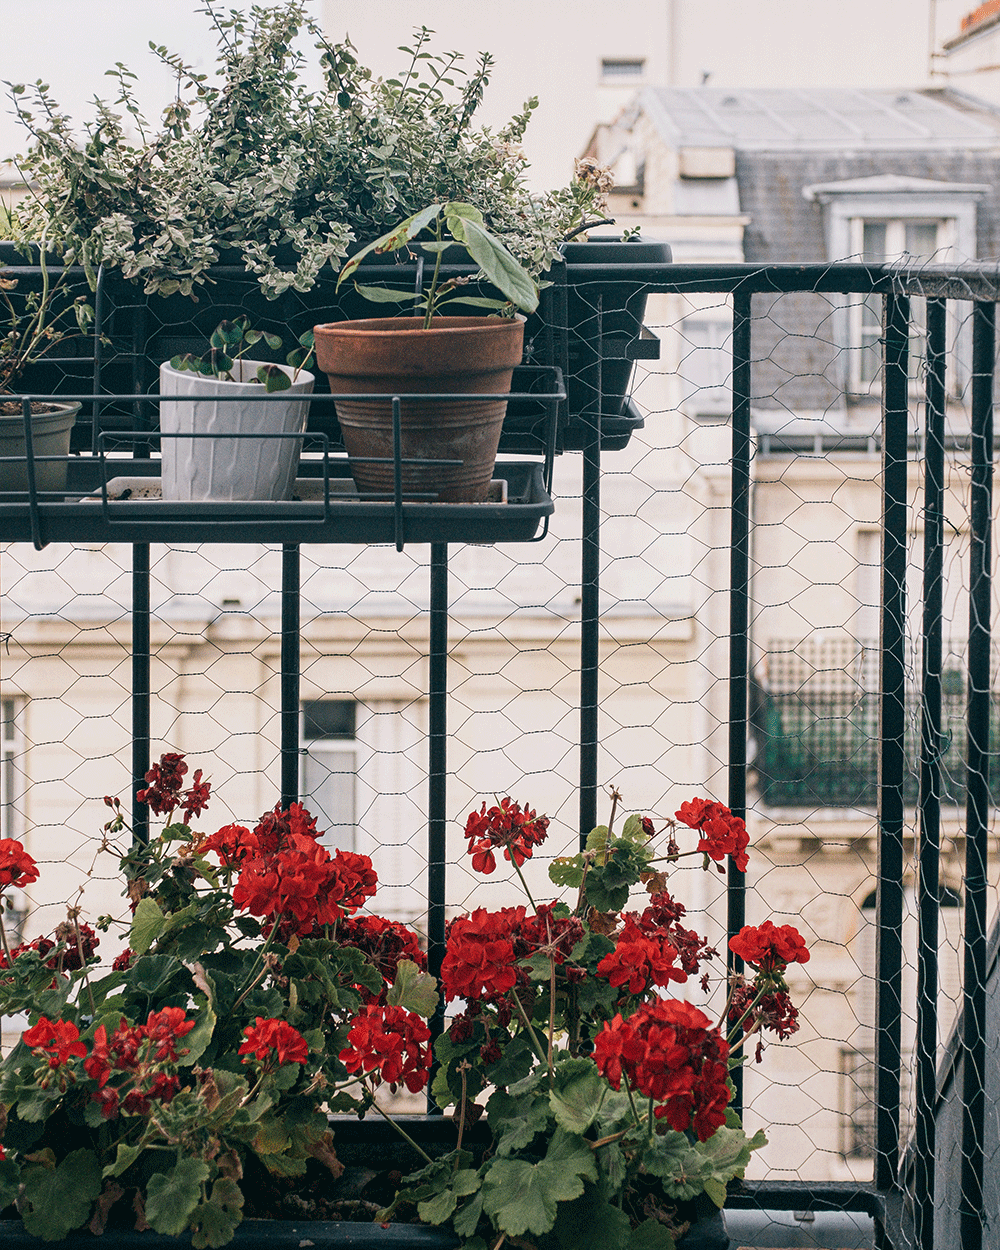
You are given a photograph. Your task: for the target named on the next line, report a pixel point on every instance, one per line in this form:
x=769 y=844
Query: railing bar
x=100 y=299
x=892 y=725
x=972 y=1212
x=739 y=621
x=290 y=664
x=437 y=776
x=140 y=688
x=928 y=878
x=590 y=590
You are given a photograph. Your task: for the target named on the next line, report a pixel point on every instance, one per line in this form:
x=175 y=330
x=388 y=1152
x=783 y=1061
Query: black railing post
x=140 y=687
x=739 y=621
x=437 y=774
x=892 y=727
x=590 y=595
x=928 y=884
x=977 y=814
x=290 y=662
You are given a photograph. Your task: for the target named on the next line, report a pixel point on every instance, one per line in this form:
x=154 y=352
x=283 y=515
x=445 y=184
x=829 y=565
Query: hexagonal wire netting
x=516 y=614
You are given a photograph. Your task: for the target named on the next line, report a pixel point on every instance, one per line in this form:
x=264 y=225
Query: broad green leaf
x=440 y=1208
x=576 y=1095
x=597 y=839
x=413 y=989
x=396 y=238
x=10 y=1180
x=467 y=1219
x=632 y=830
x=566 y=870
x=172 y=1196
x=523 y=1197
x=465 y=212
x=651 y=1235
x=147 y=925
x=382 y=295
x=196 y=1042
x=150 y=973
x=214 y=1222
x=592 y=1223
x=475 y=301
x=522 y=1118
x=273 y=378
x=716 y=1190
x=57 y=1200
x=126 y=1156
x=502 y=269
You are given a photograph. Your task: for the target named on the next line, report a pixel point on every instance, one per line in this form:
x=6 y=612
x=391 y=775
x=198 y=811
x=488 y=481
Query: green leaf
x=523 y=1197
x=567 y=870
x=57 y=1200
x=382 y=295
x=651 y=1235
x=398 y=237
x=126 y=1156
x=172 y=1196
x=196 y=1042
x=597 y=839
x=413 y=989
x=502 y=269
x=273 y=378
x=10 y=1182
x=475 y=301
x=592 y=1223
x=214 y=1222
x=522 y=1117
x=576 y=1095
x=147 y=925
x=716 y=1190
x=440 y=1208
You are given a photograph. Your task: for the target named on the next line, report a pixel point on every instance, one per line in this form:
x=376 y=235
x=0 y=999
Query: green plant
x=35 y=319
x=284 y=176
x=452 y=225
x=230 y=340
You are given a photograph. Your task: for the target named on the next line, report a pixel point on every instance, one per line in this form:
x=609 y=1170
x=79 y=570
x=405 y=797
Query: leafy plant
x=283 y=175
x=452 y=225
x=230 y=340
x=254 y=997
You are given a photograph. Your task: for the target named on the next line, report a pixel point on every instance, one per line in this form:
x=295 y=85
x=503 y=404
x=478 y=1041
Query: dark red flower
x=389 y=1044
x=123 y=960
x=384 y=943
x=518 y=830
x=16 y=865
x=164 y=781
x=640 y=960
x=270 y=1040
x=164 y=1029
x=195 y=799
x=479 y=961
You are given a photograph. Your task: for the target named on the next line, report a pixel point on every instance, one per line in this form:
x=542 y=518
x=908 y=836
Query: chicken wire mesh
x=516 y=615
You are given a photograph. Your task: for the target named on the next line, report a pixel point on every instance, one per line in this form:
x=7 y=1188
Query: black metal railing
x=899 y=743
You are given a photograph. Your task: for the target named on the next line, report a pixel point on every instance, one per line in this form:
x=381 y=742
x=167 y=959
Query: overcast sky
x=70 y=43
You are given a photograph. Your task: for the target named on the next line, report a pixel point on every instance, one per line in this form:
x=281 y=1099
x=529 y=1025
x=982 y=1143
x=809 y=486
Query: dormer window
x=622 y=69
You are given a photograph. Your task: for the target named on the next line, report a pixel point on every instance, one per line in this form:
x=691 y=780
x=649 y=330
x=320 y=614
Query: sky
x=81 y=39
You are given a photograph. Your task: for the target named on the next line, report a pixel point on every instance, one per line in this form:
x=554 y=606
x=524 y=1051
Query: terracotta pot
x=394 y=355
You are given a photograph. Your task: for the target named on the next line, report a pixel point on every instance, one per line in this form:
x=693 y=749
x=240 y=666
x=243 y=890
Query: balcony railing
x=632 y=642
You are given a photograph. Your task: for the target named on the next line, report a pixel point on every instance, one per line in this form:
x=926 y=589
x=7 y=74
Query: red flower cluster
x=479 y=962
x=384 y=943
x=16 y=865
x=771 y=1011
x=288 y=876
x=722 y=833
x=770 y=948
x=389 y=1044
x=271 y=1040
x=59 y=1039
x=640 y=960
x=138 y=1051
x=669 y=1052
x=163 y=792
x=65 y=940
x=518 y=830
x=661 y=919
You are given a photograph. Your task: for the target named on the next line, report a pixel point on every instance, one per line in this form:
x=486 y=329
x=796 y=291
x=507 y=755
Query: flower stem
x=517 y=869
x=406 y=1136
x=536 y=1044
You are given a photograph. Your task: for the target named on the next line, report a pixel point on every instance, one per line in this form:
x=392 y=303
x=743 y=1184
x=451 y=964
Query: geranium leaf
x=523 y=1197
x=171 y=1197
x=10 y=1181
x=57 y=1200
x=126 y=1156
x=147 y=925
x=214 y=1222
x=592 y=1223
x=651 y=1235
x=413 y=989
x=576 y=1095
x=566 y=870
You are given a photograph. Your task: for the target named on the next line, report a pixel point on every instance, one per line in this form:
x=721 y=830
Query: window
x=616 y=69
x=705 y=366
x=329 y=768
x=10 y=791
x=887 y=240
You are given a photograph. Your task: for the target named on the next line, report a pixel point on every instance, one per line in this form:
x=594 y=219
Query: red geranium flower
x=164 y=781
x=769 y=947
x=518 y=830
x=164 y=1029
x=389 y=1044
x=275 y=1038
x=479 y=962
x=16 y=865
x=639 y=961
x=722 y=833
x=60 y=1039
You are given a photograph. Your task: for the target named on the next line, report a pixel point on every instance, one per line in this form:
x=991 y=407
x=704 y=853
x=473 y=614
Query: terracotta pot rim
x=441 y=326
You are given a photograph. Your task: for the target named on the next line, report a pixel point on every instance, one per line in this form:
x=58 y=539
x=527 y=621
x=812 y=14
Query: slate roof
x=770 y=119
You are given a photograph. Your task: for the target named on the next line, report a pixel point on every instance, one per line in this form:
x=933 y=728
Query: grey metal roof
x=766 y=119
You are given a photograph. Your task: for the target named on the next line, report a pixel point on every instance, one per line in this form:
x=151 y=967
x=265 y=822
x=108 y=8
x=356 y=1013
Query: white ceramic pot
x=248 y=467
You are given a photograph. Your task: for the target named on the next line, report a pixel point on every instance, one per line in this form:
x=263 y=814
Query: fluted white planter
x=226 y=469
